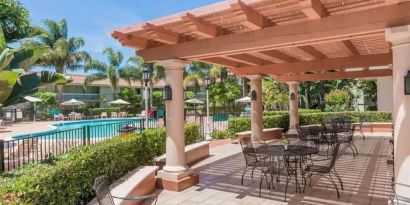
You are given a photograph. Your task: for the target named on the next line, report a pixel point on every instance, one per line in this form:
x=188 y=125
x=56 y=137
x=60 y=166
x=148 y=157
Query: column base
x=176 y=181
x=292 y=132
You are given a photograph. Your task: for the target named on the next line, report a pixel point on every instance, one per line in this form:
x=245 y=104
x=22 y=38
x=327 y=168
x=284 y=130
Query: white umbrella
x=119 y=102
x=33 y=100
x=72 y=102
x=194 y=101
x=246 y=99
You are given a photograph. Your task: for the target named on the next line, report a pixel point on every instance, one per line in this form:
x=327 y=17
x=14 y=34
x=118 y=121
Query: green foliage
x=338 y=100
x=68 y=178
x=48 y=98
x=158 y=101
x=192 y=133
x=15 y=19
x=219 y=134
x=189 y=95
x=224 y=93
x=236 y=125
x=275 y=95
x=130 y=95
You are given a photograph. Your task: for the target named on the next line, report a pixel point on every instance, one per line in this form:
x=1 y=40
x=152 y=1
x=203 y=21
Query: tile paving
x=366 y=179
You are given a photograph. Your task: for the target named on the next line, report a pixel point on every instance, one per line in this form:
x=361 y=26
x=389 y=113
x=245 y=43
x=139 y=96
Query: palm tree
x=113 y=70
x=132 y=72
x=64 y=53
x=195 y=73
x=157 y=74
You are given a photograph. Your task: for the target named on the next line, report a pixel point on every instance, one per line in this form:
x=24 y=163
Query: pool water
x=100 y=128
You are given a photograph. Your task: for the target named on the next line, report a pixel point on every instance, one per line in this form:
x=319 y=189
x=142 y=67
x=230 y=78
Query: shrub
x=338 y=100
x=236 y=125
x=218 y=134
x=98 y=111
x=68 y=178
x=192 y=133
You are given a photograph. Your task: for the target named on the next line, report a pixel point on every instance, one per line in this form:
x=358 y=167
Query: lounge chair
x=114 y=115
x=143 y=113
x=1 y=123
x=104 y=115
x=78 y=116
x=123 y=114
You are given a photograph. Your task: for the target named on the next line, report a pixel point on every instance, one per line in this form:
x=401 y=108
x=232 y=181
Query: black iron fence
x=39 y=147
x=217 y=121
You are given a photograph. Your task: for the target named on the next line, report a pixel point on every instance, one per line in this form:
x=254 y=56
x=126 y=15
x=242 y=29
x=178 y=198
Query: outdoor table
x=299 y=151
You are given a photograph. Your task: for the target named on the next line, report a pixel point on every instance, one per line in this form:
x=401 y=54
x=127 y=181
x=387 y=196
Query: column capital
x=254 y=77
x=173 y=64
x=292 y=83
x=398 y=36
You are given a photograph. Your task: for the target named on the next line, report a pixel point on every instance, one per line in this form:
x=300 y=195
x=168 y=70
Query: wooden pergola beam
x=313 y=9
x=279 y=55
x=335 y=75
x=332 y=28
x=223 y=61
x=130 y=40
x=316 y=65
x=312 y=51
x=247 y=59
x=254 y=20
x=349 y=45
x=162 y=35
x=202 y=28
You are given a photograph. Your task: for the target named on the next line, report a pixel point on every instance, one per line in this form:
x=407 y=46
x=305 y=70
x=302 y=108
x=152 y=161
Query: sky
x=93 y=20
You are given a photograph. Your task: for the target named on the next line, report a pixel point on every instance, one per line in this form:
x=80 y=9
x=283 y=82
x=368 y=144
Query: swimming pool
x=100 y=128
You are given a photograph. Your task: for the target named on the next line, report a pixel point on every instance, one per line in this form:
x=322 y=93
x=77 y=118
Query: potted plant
x=285 y=142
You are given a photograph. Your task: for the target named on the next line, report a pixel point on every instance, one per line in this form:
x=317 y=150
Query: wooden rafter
x=162 y=35
x=224 y=62
x=279 y=55
x=254 y=20
x=312 y=51
x=131 y=41
x=353 y=25
x=201 y=27
x=317 y=65
x=248 y=59
x=335 y=75
x=313 y=9
x=349 y=45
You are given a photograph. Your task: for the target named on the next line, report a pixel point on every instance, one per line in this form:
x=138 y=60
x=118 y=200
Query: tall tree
x=15 y=20
x=113 y=70
x=64 y=53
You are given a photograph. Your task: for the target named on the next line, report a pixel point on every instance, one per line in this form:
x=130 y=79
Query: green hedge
x=281 y=119
x=98 y=111
x=244 y=124
x=285 y=112
x=68 y=178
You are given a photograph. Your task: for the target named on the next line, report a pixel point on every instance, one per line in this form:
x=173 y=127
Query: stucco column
x=175 y=143
x=293 y=106
x=257 y=109
x=400 y=39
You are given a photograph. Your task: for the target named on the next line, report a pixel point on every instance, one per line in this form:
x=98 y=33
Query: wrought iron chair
x=346 y=137
x=104 y=196
x=326 y=170
x=253 y=160
x=364 y=122
x=396 y=198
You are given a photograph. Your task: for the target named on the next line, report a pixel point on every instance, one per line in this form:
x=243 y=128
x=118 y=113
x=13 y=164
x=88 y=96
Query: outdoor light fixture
x=292 y=96
x=167 y=94
x=407 y=84
x=253 y=95
x=146 y=72
x=207 y=81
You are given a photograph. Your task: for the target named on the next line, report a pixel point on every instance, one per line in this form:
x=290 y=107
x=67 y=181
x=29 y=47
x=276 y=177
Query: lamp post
x=208 y=123
x=146 y=72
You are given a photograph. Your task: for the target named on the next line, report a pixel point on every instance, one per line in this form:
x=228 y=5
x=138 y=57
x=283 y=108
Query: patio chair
x=325 y=170
x=346 y=137
x=114 y=115
x=1 y=123
x=104 y=115
x=397 y=198
x=104 y=196
x=364 y=122
x=252 y=159
x=143 y=113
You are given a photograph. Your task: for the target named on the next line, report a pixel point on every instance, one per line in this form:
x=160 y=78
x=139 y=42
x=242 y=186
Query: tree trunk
x=59 y=89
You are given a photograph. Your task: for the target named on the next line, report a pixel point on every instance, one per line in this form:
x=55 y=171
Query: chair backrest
x=334 y=153
x=249 y=152
x=104 y=114
x=102 y=191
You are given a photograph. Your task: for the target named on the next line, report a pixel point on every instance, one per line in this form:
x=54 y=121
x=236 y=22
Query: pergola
x=290 y=40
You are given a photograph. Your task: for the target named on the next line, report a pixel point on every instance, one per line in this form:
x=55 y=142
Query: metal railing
x=218 y=122
x=39 y=147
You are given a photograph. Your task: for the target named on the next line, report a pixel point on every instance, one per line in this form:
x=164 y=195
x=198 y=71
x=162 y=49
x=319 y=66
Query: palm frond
x=95 y=65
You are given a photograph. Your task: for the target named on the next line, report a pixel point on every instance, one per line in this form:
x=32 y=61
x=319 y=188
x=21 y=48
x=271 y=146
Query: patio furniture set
x=315 y=154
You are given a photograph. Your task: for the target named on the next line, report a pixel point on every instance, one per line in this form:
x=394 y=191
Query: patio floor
x=366 y=180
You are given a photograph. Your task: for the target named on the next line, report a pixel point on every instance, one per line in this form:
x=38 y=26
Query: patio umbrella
x=194 y=101
x=246 y=99
x=119 y=102
x=33 y=100
x=72 y=102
